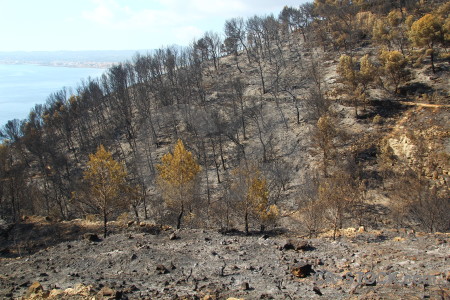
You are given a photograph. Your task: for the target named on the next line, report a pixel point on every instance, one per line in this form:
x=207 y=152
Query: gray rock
x=91 y=237
x=245 y=286
x=161 y=269
x=301 y=270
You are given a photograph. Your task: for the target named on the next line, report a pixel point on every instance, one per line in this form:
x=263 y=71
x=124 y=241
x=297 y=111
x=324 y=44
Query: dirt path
x=425 y=104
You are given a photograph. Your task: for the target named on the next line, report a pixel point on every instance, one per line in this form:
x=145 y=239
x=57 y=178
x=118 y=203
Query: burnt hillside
x=340 y=109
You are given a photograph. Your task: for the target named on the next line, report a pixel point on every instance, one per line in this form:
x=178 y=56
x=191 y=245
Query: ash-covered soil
x=202 y=264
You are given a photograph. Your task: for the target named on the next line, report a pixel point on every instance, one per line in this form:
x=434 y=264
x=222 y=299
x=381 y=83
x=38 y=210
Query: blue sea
x=23 y=86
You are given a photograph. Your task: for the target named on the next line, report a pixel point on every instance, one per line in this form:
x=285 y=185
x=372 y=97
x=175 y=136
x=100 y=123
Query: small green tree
x=443 y=13
x=107 y=181
x=427 y=32
x=394 y=67
x=347 y=70
x=356 y=80
x=258 y=196
x=380 y=33
x=323 y=139
x=251 y=189
x=336 y=195
x=366 y=76
x=177 y=174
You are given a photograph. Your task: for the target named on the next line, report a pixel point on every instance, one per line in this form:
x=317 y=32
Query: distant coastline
x=99 y=59
x=63 y=64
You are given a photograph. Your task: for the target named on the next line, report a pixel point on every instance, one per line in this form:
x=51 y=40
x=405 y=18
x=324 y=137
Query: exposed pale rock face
x=403 y=147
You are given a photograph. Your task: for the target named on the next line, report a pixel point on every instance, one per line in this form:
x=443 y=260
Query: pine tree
x=336 y=195
x=394 y=67
x=323 y=139
x=347 y=70
x=427 y=32
x=252 y=190
x=107 y=180
x=177 y=174
x=366 y=76
x=357 y=81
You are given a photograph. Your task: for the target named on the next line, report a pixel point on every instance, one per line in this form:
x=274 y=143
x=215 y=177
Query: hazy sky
x=118 y=24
